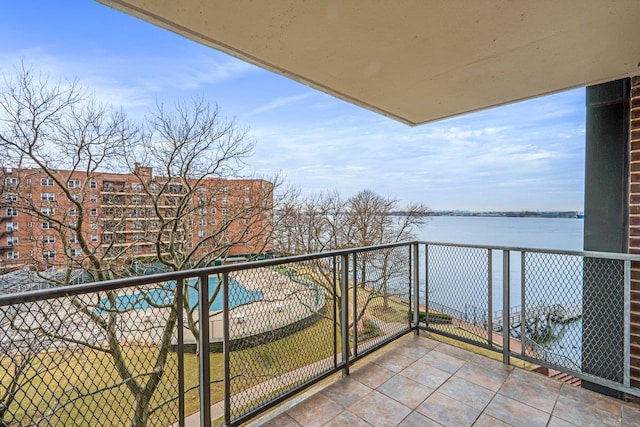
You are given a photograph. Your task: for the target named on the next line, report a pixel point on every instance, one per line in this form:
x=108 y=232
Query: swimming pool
x=238 y=295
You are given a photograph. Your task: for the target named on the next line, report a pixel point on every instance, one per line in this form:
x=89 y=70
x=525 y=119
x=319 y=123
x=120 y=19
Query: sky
x=523 y=156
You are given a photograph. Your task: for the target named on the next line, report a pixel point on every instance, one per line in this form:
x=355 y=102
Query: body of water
x=458 y=277
x=539 y=233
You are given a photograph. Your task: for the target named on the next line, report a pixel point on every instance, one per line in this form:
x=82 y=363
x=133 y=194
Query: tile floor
x=421 y=382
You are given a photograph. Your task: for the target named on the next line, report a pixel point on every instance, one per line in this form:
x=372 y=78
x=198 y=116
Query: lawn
x=80 y=387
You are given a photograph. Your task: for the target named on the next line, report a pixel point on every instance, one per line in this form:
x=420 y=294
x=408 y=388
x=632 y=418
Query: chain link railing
x=569 y=311
x=137 y=351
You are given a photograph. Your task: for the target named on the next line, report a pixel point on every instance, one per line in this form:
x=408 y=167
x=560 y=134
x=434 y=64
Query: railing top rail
x=115 y=284
x=586 y=254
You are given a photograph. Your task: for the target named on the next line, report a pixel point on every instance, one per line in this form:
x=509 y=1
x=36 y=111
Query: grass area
x=56 y=378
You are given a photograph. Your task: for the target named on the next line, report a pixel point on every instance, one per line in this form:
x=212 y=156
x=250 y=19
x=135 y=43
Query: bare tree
x=327 y=221
x=62 y=138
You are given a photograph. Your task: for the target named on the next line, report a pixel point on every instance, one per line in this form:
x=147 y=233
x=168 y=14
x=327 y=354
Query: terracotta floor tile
x=558 y=422
x=347 y=418
x=315 y=410
x=515 y=413
x=442 y=361
x=469 y=393
x=630 y=416
x=393 y=361
x=416 y=419
x=372 y=375
x=378 y=410
x=412 y=351
x=346 y=391
x=447 y=411
x=455 y=351
x=533 y=393
x=405 y=391
x=485 y=420
x=282 y=420
x=482 y=376
x=425 y=375
x=582 y=414
x=592 y=399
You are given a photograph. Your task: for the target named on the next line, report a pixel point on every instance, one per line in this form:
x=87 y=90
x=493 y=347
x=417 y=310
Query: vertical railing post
x=355 y=304
x=335 y=312
x=626 y=376
x=426 y=286
x=506 y=307
x=180 y=350
x=344 y=309
x=416 y=286
x=523 y=302
x=203 y=356
x=490 y=297
x=226 y=348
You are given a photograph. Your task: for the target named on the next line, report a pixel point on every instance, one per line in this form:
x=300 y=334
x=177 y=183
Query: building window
x=225 y=190
x=190 y=245
x=13 y=255
x=189 y=235
x=201 y=190
x=203 y=222
x=247 y=189
x=136 y=187
x=12 y=226
x=202 y=211
x=47 y=196
x=45 y=226
x=48 y=254
x=94 y=225
x=11 y=198
x=46 y=182
x=153 y=187
x=246 y=221
x=11 y=181
x=29 y=224
x=137 y=249
x=225 y=201
x=247 y=200
x=75 y=253
x=73 y=239
x=12 y=241
x=202 y=233
x=93 y=198
x=73 y=212
x=47 y=211
x=94 y=237
x=94 y=211
x=213 y=211
x=76 y=197
x=49 y=239
x=93 y=185
x=214 y=222
x=225 y=211
x=12 y=212
x=73 y=183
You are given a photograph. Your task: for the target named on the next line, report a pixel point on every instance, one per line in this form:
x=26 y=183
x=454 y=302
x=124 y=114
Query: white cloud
x=283 y=101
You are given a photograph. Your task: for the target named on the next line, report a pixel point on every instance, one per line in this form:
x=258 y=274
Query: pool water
x=238 y=295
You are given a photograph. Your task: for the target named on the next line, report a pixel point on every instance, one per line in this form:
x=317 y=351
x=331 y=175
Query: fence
x=569 y=311
x=140 y=351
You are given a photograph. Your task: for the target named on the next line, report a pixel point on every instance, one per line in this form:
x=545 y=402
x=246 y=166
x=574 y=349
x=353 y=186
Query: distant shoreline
x=505 y=214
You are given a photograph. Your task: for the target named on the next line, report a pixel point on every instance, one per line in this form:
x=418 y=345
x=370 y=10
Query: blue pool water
x=238 y=295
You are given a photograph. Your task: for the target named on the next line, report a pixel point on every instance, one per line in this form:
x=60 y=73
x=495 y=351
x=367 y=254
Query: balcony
x=127 y=350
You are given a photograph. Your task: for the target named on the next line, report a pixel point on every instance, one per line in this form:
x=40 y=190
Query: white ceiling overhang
x=417 y=60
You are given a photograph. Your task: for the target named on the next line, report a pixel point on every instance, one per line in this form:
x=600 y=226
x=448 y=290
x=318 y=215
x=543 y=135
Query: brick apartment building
x=128 y=216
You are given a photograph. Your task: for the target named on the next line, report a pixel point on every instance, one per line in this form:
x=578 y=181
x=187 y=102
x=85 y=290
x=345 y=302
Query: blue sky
x=528 y=155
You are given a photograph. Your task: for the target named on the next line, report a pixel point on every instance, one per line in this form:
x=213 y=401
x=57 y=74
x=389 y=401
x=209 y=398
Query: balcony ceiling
x=417 y=60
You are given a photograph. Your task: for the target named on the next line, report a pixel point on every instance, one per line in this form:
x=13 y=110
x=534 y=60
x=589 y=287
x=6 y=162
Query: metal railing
x=125 y=352
x=139 y=351
x=565 y=310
